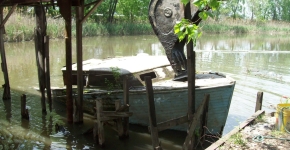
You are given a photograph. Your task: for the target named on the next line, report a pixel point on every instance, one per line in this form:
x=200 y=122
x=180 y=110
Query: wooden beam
x=40 y=33
x=92 y=10
x=78 y=116
x=195 y=121
x=2 y=23
x=47 y=71
x=116 y=114
x=119 y=123
x=126 y=103
x=152 y=114
x=172 y=123
x=101 y=132
x=65 y=11
x=190 y=72
x=6 y=86
x=190 y=68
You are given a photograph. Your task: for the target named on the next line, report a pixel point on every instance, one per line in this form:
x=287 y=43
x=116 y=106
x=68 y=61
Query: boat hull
x=169 y=104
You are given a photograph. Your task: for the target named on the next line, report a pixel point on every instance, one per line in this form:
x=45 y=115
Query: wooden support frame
x=120 y=116
x=203 y=107
x=104 y=116
x=91 y=11
x=199 y=118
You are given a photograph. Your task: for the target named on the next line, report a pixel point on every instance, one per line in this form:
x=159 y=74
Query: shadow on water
x=39 y=132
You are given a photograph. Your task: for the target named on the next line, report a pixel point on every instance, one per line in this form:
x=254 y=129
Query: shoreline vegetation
x=20 y=28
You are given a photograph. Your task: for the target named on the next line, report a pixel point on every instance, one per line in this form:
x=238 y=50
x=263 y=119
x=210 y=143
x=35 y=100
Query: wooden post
x=65 y=11
x=259 y=101
x=190 y=68
x=119 y=122
x=40 y=32
x=204 y=119
x=195 y=121
x=152 y=114
x=47 y=71
x=24 y=111
x=126 y=102
x=190 y=73
x=6 y=86
x=78 y=113
x=101 y=133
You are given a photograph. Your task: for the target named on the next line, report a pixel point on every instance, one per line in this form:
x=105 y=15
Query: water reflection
x=7 y=107
x=257 y=63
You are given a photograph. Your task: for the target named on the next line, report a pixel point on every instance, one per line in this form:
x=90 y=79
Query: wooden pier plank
x=221 y=141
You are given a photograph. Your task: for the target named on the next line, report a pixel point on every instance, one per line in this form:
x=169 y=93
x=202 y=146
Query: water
x=257 y=63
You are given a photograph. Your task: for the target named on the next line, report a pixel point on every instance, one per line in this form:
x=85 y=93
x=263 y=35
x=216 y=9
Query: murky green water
x=258 y=63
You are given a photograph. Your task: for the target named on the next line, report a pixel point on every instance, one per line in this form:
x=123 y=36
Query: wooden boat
x=170 y=96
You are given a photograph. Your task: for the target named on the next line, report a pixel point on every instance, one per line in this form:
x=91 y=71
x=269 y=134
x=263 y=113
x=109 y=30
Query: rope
x=260 y=138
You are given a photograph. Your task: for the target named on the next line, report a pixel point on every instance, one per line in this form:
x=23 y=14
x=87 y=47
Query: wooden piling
x=65 y=11
x=152 y=114
x=119 y=123
x=40 y=32
x=24 y=111
x=259 y=101
x=190 y=73
x=100 y=126
x=47 y=71
x=78 y=116
x=6 y=86
x=126 y=103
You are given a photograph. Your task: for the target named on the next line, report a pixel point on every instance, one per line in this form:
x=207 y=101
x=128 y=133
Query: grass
x=238 y=139
x=245 y=26
x=20 y=27
x=259 y=119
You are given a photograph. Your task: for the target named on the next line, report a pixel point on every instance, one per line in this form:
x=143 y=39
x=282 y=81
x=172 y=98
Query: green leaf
x=184 y=1
x=203 y=15
x=214 y=4
x=198 y=3
x=209 y=13
x=176 y=28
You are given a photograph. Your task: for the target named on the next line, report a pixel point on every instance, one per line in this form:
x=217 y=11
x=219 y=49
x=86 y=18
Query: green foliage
x=186 y=28
x=115 y=84
x=260 y=118
x=238 y=139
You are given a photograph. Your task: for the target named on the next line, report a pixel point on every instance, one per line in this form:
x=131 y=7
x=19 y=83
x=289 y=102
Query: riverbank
x=21 y=28
x=258 y=132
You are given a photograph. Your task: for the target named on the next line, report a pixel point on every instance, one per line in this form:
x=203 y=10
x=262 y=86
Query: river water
x=257 y=63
